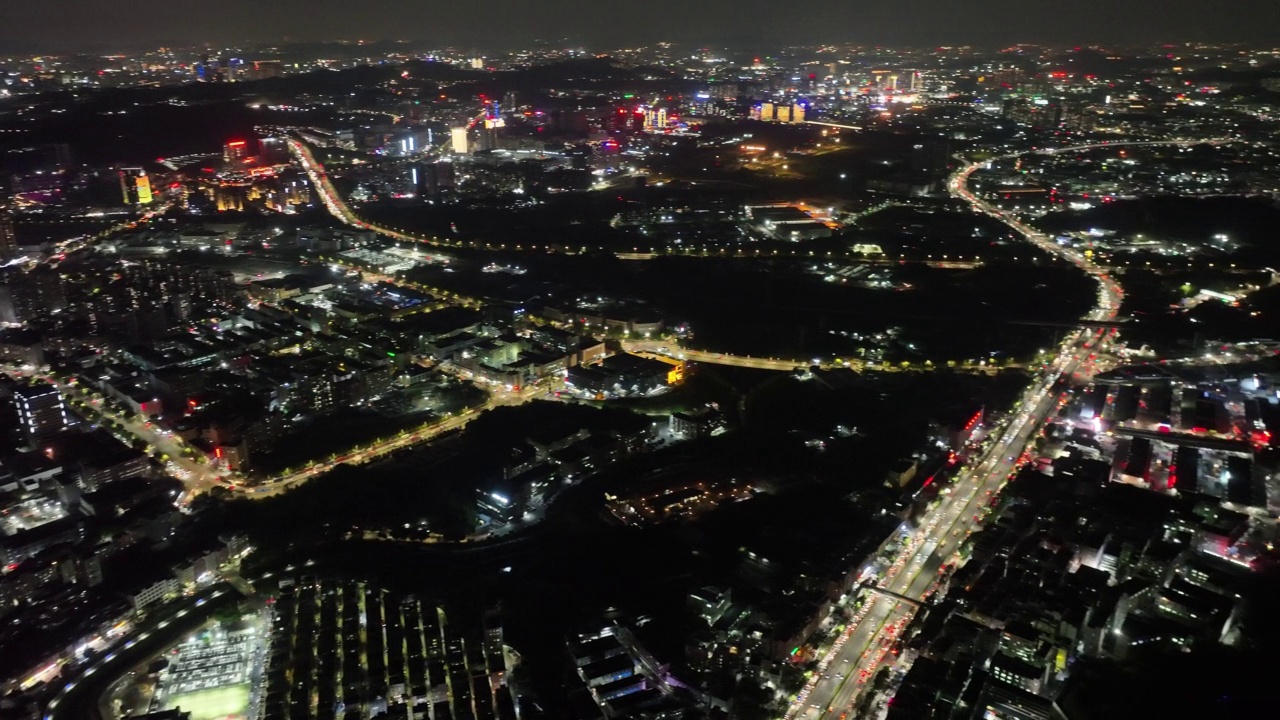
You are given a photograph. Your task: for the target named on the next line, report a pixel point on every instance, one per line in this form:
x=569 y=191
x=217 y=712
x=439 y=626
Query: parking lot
x=214 y=666
x=30 y=514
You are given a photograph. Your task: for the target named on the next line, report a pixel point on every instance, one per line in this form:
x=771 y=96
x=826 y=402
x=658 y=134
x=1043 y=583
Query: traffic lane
x=986 y=477
x=201 y=477
x=827 y=693
x=860 y=674
x=953 y=516
x=864 y=666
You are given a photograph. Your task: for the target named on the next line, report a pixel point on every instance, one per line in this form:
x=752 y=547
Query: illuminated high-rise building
x=235 y=150
x=486 y=138
x=768 y=112
x=298 y=192
x=8 y=237
x=461 y=140
x=205 y=70
x=266 y=69
x=41 y=411
x=656 y=119
x=26 y=296
x=135 y=186
x=428 y=179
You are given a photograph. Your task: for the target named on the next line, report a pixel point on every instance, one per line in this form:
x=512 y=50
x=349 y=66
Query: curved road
x=338 y=207
x=849 y=664
x=78 y=698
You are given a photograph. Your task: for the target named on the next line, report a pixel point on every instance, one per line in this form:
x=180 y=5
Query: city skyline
x=85 y=25
x=610 y=378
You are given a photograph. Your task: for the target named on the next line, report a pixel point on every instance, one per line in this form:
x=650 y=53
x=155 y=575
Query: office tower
x=461 y=143
x=25 y=296
x=445 y=176
x=41 y=411
x=428 y=179
x=267 y=69
x=47 y=290
x=656 y=119
x=8 y=237
x=486 y=138
x=8 y=305
x=235 y=150
x=931 y=156
x=135 y=186
x=298 y=192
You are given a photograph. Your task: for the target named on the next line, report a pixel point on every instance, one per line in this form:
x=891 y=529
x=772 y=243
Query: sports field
x=224 y=703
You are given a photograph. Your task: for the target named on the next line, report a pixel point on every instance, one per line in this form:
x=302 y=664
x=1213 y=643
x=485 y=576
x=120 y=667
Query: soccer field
x=216 y=704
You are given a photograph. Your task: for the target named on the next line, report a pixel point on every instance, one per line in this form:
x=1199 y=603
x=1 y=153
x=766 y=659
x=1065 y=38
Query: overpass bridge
x=834 y=125
x=891 y=595
x=1090 y=324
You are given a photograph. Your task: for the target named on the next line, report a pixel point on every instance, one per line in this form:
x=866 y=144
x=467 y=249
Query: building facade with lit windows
x=41 y=411
x=8 y=237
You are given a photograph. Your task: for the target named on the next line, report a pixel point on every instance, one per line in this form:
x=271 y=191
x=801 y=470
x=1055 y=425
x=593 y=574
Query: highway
x=338 y=207
x=848 y=665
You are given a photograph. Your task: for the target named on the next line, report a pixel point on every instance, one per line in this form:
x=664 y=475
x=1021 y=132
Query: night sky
x=493 y=24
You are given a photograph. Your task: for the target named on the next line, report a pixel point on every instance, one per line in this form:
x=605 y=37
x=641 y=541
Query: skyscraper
x=235 y=150
x=461 y=140
x=41 y=411
x=266 y=69
x=8 y=237
x=135 y=186
x=24 y=296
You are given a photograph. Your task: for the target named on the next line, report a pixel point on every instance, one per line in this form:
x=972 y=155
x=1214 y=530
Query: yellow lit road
x=408 y=439
x=672 y=349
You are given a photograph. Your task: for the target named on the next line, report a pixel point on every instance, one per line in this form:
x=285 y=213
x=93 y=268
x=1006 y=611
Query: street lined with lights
x=852 y=660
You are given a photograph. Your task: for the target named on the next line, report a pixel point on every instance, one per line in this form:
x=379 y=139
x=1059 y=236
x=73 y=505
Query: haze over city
x=70 y=25
x=646 y=361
